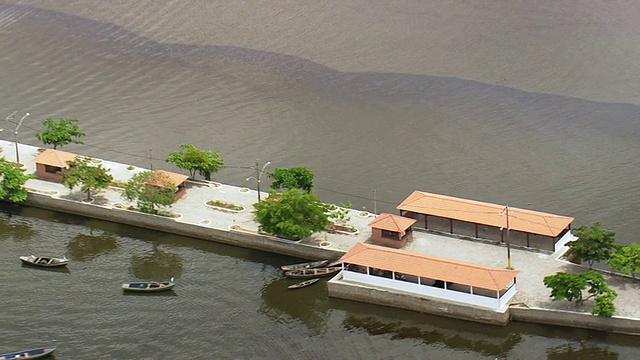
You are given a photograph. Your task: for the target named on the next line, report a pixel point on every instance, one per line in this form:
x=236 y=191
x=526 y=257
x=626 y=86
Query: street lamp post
x=15 y=137
x=258 y=177
x=15 y=132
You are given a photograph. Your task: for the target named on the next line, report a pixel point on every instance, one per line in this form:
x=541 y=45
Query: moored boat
x=312 y=273
x=148 y=286
x=304 y=283
x=44 y=261
x=38 y=353
x=307 y=265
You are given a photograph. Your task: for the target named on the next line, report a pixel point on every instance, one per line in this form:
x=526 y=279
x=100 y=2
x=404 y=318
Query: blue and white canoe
x=38 y=353
x=148 y=286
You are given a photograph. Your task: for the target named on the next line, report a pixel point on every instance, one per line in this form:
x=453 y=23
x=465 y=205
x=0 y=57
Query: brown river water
x=530 y=104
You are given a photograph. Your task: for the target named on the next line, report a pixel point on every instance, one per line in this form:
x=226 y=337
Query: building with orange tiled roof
x=428 y=276
x=391 y=230
x=470 y=218
x=51 y=164
x=161 y=178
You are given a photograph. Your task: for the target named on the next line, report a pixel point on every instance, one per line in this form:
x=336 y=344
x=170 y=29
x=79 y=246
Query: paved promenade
x=533 y=266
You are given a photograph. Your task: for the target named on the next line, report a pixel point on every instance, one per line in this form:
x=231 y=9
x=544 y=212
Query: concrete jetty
x=197 y=219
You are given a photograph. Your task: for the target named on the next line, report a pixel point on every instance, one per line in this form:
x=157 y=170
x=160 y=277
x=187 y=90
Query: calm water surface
x=531 y=105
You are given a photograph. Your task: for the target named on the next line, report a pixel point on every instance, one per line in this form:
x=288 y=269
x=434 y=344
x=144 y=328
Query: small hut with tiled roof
x=161 y=177
x=391 y=230
x=51 y=164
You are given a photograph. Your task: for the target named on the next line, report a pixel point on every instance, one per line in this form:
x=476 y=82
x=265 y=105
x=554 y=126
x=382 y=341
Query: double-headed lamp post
x=15 y=137
x=258 y=177
x=15 y=133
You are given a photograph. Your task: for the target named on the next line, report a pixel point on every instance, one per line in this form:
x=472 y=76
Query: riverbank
x=194 y=218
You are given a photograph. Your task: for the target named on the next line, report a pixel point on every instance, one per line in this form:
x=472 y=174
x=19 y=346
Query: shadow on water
x=402 y=324
x=308 y=305
x=159 y=293
x=486 y=340
x=14 y=227
x=84 y=247
x=580 y=351
x=57 y=269
x=157 y=265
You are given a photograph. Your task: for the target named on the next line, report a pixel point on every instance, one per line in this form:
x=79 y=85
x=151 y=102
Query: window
x=51 y=169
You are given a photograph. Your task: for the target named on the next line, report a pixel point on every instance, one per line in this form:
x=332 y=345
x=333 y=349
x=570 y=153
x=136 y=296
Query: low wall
x=359 y=292
x=174 y=226
x=614 y=324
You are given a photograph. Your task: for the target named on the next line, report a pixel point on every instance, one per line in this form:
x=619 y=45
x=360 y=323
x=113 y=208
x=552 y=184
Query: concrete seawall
x=406 y=301
x=614 y=324
x=175 y=226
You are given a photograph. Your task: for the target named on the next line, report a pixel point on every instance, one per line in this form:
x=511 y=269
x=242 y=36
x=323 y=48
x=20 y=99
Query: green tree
x=12 y=181
x=195 y=160
x=570 y=286
x=626 y=259
x=90 y=177
x=291 y=215
x=60 y=133
x=150 y=190
x=292 y=178
x=593 y=243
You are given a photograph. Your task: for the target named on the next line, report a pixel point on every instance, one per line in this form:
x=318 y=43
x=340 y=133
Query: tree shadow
x=308 y=305
x=85 y=247
x=158 y=265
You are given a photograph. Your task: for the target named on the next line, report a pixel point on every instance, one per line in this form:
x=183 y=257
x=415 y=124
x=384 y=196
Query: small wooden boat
x=304 y=283
x=307 y=265
x=38 y=353
x=312 y=273
x=148 y=286
x=44 y=261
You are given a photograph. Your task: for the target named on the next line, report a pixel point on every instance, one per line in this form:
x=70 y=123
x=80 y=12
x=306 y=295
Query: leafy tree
x=292 y=178
x=570 y=286
x=294 y=214
x=604 y=304
x=626 y=259
x=60 y=133
x=89 y=177
x=13 y=178
x=192 y=159
x=593 y=243
x=150 y=190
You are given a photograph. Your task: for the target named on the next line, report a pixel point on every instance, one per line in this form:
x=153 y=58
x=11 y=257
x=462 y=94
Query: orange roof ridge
x=386 y=221
x=54 y=157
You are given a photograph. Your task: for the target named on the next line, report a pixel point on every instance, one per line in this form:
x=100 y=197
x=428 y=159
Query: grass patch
x=156 y=212
x=225 y=205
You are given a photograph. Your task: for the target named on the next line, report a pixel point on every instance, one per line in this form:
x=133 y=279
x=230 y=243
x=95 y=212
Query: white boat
x=44 y=261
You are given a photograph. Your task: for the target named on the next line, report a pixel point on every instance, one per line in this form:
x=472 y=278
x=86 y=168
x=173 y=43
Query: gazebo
x=160 y=178
x=391 y=230
x=51 y=164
